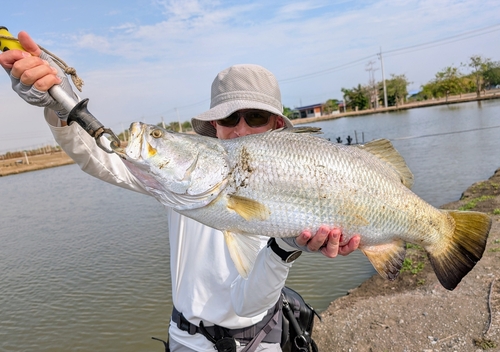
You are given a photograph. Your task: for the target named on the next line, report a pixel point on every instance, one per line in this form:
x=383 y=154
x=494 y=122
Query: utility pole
x=180 y=126
x=372 y=84
x=383 y=77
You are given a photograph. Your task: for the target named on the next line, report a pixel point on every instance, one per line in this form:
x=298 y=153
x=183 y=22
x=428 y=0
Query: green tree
x=397 y=89
x=288 y=113
x=479 y=66
x=356 y=98
x=330 y=106
x=427 y=92
x=186 y=126
x=448 y=81
x=174 y=126
x=492 y=75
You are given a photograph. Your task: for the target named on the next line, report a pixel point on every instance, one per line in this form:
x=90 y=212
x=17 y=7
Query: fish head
x=182 y=171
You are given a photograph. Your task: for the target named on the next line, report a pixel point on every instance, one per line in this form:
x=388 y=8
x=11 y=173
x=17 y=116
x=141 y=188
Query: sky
x=152 y=60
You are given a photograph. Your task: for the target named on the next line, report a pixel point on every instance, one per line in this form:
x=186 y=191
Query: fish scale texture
x=305 y=182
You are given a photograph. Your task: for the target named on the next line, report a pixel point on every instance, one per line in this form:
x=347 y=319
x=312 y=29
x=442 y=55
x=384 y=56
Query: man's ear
x=279 y=122
x=214 y=123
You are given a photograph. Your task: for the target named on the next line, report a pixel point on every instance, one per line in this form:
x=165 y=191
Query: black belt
x=242 y=334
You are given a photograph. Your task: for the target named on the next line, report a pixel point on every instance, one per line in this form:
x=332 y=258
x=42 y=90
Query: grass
x=414 y=265
x=496 y=211
x=473 y=202
x=413 y=268
x=414 y=246
x=485 y=344
x=485 y=185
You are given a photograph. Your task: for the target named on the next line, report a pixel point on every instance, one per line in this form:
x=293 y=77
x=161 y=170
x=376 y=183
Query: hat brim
x=201 y=123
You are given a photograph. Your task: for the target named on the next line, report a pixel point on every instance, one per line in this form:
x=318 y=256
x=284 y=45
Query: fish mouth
x=133 y=150
x=118 y=149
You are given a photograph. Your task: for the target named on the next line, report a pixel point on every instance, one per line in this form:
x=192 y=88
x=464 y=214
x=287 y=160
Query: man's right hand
x=32 y=75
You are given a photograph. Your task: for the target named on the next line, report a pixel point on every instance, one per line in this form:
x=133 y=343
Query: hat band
x=240 y=95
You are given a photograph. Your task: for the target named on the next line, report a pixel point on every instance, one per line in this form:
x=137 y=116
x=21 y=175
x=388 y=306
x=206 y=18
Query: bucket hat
x=240 y=87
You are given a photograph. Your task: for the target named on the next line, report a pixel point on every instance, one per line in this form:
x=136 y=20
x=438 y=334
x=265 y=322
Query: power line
x=466 y=35
x=416 y=47
x=444 y=133
x=332 y=69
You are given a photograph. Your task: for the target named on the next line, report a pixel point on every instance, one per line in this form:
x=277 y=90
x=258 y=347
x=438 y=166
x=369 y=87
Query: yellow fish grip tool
x=6 y=43
x=78 y=109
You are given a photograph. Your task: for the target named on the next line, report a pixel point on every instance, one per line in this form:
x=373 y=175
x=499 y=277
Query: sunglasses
x=253 y=118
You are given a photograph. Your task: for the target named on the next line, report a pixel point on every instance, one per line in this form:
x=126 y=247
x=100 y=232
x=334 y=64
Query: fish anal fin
x=247 y=208
x=454 y=258
x=243 y=250
x=385 y=151
x=387 y=258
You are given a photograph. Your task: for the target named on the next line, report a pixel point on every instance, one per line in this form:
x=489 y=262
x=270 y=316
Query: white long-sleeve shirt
x=205 y=283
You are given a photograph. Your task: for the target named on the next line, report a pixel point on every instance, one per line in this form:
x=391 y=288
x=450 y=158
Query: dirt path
x=414 y=312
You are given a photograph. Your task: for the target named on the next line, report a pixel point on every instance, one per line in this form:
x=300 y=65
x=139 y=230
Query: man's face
x=243 y=129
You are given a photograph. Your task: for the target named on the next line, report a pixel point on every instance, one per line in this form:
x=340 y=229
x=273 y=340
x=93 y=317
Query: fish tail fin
x=452 y=260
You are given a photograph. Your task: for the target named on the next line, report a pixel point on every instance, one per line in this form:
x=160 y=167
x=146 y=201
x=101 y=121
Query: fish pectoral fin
x=385 y=151
x=387 y=258
x=247 y=208
x=243 y=251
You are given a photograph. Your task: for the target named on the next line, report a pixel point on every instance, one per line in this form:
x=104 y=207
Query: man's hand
x=328 y=242
x=28 y=67
x=32 y=75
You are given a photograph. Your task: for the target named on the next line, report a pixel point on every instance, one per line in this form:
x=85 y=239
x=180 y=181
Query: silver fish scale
x=278 y=184
x=319 y=183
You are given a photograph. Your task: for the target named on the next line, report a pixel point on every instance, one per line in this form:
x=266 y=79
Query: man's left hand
x=328 y=242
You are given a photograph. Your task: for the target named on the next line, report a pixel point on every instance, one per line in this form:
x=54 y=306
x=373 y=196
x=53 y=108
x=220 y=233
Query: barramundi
x=279 y=183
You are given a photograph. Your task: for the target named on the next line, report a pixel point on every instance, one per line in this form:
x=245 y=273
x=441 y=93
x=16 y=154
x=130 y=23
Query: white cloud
x=134 y=66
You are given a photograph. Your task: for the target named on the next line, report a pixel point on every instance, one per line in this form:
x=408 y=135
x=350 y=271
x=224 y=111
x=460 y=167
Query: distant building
x=315 y=110
x=341 y=106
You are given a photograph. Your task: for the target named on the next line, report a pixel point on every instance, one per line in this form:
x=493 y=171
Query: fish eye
x=156 y=133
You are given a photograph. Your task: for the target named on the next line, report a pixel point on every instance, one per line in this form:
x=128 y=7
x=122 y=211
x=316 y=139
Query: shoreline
x=23 y=164
x=455 y=99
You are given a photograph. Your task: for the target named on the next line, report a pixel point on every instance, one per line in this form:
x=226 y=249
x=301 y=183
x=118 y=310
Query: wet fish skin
x=279 y=183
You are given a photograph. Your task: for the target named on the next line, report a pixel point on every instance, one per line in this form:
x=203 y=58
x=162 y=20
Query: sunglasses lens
x=230 y=121
x=253 y=118
x=257 y=118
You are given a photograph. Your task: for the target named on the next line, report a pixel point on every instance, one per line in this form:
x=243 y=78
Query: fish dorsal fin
x=247 y=208
x=387 y=258
x=298 y=129
x=384 y=150
x=243 y=250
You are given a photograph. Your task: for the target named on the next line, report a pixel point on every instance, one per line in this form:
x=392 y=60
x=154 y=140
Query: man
x=207 y=289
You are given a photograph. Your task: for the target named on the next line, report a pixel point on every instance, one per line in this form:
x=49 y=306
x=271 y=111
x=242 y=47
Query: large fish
x=279 y=183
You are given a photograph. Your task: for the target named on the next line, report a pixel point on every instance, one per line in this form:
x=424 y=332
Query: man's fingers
x=331 y=249
x=9 y=58
x=28 y=44
x=303 y=238
x=46 y=82
x=31 y=69
x=351 y=246
x=319 y=239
